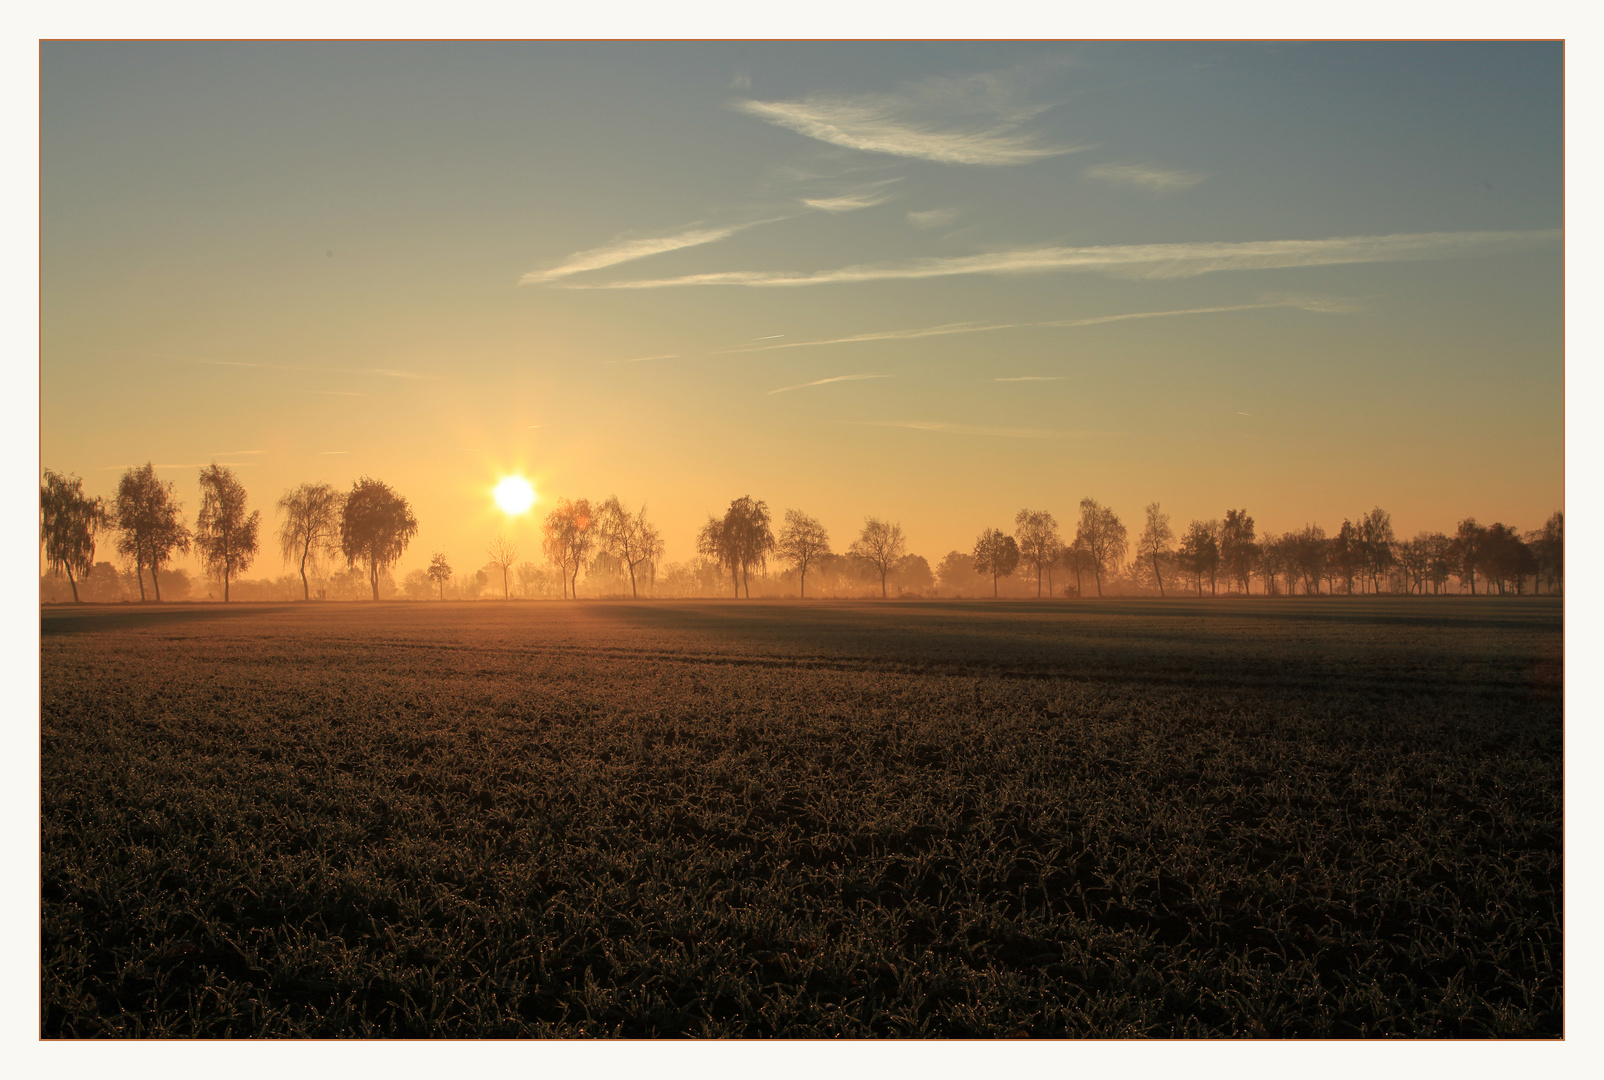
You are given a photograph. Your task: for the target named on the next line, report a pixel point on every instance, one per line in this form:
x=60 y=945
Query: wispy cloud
x=859 y=199
x=186 y=465
x=389 y=373
x=1142 y=261
x=975 y=429
x=932 y=219
x=628 y=249
x=1146 y=177
x=821 y=382
x=1327 y=305
x=963 y=120
x=1031 y=378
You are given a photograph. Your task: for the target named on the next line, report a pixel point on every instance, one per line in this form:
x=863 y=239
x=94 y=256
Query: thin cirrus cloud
x=976 y=429
x=957 y=120
x=931 y=219
x=822 y=382
x=1147 y=178
x=1325 y=305
x=859 y=199
x=628 y=249
x=1142 y=261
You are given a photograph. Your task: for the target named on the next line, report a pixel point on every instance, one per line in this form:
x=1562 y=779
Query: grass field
x=1280 y=817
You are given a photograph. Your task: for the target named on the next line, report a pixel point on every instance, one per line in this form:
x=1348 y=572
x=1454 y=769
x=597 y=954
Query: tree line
x=369 y=527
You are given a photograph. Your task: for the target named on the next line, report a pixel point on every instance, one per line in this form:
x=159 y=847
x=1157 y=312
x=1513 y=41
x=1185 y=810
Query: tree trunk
x=139 y=576
x=576 y=579
x=994 y=585
x=804 y=593
x=71 y=582
x=1097 y=576
x=306 y=590
x=632 y=594
x=882 y=584
x=155 y=582
x=225 y=583
x=1158 y=575
x=373 y=577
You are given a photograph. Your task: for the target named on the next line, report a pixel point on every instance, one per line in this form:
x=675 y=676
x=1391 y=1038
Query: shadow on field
x=97 y=618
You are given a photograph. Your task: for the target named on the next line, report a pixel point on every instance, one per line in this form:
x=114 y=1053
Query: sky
x=933 y=283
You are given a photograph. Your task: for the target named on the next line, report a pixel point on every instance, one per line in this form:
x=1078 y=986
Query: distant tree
x=529 y=576
x=1505 y=558
x=1344 y=556
x=1414 y=559
x=311 y=528
x=150 y=522
x=1238 y=549
x=629 y=538
x=740 y=540
x=1199 y=555
x=1376 y=546
x=1548 y=552
x=913 y=574
x=69 y=522
x=1270 y=562
x=1310 y=550
x=1078 y=561
x=416 y=585
x=1466 y=551
x=956 y=573
x=502 y=556
x=568 y=535
x=1440 y=566
x=1155 y=541
x=376 y=524
x=225 y=535
x=995 y=554
x=803 y=541
x=1036 y=533
x=102 y=584
x=1102 y=536
x=439 y=572
x=880 y=544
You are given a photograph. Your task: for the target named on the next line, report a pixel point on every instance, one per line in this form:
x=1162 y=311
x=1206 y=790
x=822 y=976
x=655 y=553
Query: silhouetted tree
x=439 y=572
x=376 y=524
x=913 y=574
x=997 y=554
x=803 y=540
x=1344 y=558
x=1548 y=551
x=568 y=534
x=502 y=556
x=1238 y=549
x=1465 y=554
x=1036 y=533
x=741 y=540
x=629 y=538
x=1101 y=535
x=1505 y=557
x=1199 y=555
x=225 y=535
x=311 y=528
x=150 y=523
x=1376 y=544
x=69 y=521
x=1310 y=549
x=880 y=544
x=1155 y=541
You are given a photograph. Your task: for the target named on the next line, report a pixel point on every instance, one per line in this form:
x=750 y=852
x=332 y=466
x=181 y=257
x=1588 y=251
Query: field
x=1281 y=817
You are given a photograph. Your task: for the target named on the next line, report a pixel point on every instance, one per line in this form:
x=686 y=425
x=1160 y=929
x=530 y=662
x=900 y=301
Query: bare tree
x=502 y=556
x=740 y=540
x=1238 y=550
x=225 y=535
x=311 y=528
x=1102 y=535
x=1200 y=552
x=1548 y=550
x=1036 y=534
x=568 y=534
x=1467 y=551
x=376 y=524
x=629 y=538
x=69 y=520
x=997 y=554
x=439 y=572
x=149 y=519
x=1155 y=541
x=1376 y=544
x=803 y=540
x=880 y=545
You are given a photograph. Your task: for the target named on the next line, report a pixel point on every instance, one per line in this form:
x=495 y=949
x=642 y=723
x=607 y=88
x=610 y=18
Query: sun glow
x=515 y=495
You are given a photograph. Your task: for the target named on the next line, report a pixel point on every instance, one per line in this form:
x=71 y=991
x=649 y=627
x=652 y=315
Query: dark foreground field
x=1299 y=817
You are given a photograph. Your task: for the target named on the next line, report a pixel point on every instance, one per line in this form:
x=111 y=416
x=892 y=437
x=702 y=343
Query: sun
x=515 y=495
